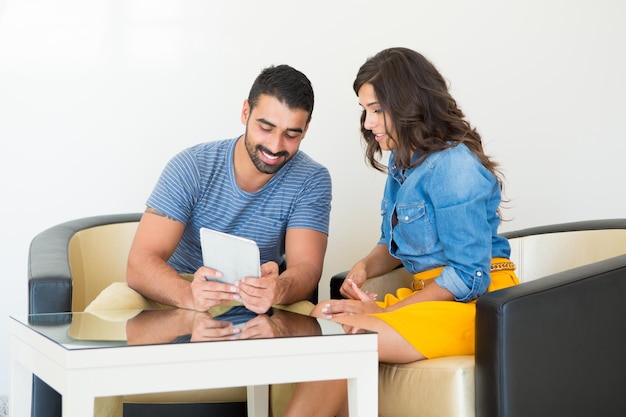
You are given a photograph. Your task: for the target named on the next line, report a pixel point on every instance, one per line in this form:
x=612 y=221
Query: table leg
x=21 y=385
x=78 y=405
x=363 y=396
x=258 y=400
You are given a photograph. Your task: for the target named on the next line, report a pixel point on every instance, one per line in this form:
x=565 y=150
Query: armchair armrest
x=554 y=346
x=49 y=276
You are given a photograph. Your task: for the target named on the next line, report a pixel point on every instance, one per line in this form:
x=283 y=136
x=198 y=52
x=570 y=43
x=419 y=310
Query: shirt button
x=479 y=274
x=406 y=218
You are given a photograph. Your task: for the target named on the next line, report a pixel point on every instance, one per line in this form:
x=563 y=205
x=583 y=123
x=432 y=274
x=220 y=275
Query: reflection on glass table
x=232 y=323
x=173 y=325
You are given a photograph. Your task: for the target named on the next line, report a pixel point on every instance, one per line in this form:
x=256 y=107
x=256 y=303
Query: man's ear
x=306 y=128
x=245 y=112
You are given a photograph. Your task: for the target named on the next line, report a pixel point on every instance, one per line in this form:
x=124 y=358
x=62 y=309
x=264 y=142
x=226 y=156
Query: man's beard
x=261 y=165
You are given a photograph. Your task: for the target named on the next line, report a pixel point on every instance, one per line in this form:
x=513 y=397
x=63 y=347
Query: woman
x=440 y=214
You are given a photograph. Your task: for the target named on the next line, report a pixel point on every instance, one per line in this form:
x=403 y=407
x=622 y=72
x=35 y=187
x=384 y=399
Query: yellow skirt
x=442 y=328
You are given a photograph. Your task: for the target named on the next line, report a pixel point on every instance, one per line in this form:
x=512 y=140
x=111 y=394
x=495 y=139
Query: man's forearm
x=156 y=280
x=297 y=283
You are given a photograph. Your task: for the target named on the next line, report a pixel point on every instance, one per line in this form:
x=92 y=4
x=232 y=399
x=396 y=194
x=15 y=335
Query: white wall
x=96 y=96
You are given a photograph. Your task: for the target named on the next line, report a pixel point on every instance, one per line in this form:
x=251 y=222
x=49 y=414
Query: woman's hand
x=354 y=279
x=376 y=263
x=364 y=304
x=352 y=283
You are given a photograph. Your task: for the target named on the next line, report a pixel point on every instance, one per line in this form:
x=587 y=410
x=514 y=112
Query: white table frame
x=81 y=375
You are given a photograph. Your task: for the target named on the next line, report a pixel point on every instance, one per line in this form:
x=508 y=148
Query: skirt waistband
x=422 y=278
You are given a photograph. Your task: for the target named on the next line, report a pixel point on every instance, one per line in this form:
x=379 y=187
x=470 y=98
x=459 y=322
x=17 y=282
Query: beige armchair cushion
x=118 y=296
x=431 y=388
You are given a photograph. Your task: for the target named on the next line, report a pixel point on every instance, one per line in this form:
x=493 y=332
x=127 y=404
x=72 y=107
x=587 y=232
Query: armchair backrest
x=100 y=254
x=544 y=254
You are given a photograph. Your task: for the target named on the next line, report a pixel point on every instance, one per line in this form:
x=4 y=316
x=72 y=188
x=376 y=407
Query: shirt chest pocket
x=410 y=213
x=414 y=228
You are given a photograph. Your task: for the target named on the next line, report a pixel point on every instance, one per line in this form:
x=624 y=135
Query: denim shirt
x=446 y=209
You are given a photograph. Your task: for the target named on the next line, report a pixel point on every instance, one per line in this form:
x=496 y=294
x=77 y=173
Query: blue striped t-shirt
x=198 y=188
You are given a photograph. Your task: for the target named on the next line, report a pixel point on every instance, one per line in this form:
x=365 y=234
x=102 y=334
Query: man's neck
x=247 y=176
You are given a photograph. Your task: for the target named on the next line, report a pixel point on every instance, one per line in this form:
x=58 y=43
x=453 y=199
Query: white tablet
x=234 y=256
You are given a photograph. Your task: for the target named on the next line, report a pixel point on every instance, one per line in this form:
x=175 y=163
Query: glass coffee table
x=88 y=355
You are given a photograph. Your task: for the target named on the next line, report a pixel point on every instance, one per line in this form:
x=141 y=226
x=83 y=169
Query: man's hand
x=258 y=294
x=206 y=328
x=208 y=293
x=280 y=324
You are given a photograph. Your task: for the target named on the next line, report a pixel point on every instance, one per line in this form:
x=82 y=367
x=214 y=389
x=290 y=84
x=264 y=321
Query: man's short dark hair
x=287 y=84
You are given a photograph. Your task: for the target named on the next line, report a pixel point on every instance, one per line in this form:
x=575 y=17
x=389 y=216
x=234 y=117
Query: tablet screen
x=234 y=256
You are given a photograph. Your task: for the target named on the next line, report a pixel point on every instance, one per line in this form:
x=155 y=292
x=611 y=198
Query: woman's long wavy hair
x=414 y=97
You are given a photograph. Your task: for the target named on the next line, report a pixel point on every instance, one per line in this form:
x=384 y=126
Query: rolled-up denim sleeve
x=463 y=288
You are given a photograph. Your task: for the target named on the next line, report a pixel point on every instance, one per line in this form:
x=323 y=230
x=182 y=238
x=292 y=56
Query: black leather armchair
x=556 y=346
x=553 y=346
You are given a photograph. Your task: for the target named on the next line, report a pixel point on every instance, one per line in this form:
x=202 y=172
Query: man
x=258 y=186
